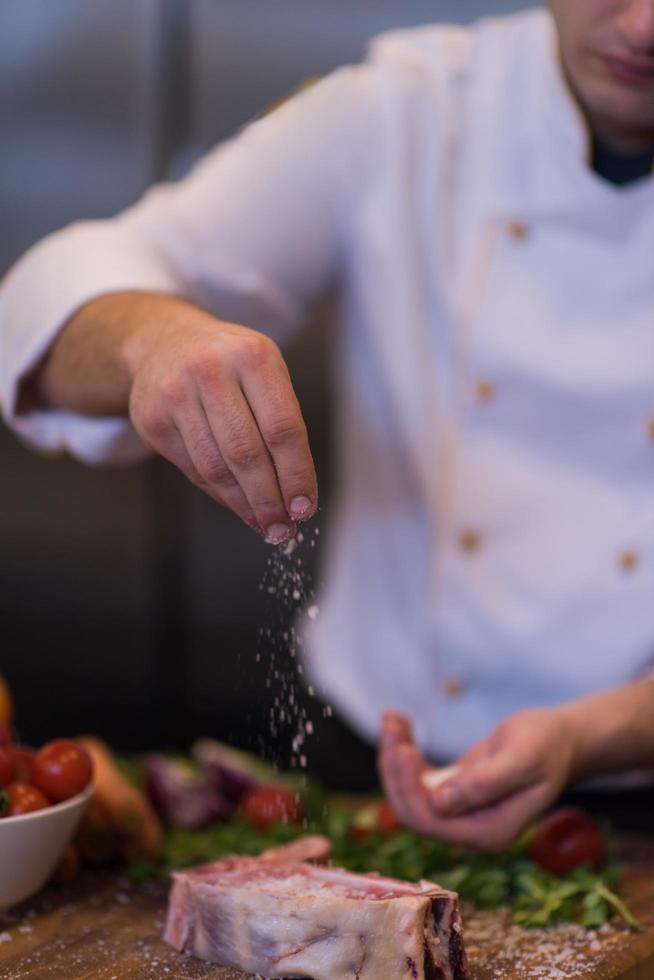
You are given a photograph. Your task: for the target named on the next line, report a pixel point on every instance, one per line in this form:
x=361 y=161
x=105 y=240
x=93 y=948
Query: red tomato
x=22 y=760
x=264 y=806
x=6 y=768
x=24 y=798
x=376 y=818
x=566 y=839
x=387 y=819
x=62 y=769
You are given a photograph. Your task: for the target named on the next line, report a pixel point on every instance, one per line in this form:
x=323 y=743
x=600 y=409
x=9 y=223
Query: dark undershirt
x=621 y=168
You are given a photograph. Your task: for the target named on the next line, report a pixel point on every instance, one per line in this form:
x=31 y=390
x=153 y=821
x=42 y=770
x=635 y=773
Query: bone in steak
x=281 y=919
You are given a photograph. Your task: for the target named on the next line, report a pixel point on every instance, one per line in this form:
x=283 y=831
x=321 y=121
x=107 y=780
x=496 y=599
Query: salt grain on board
x=501 y=949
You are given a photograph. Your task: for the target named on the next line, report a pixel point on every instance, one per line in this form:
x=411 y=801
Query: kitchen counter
x=103 y=927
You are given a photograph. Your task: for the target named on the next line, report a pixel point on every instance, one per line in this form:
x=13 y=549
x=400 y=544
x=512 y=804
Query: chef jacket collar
x=544 y=165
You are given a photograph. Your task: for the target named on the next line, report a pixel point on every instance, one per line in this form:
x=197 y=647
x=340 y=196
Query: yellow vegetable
x=6 y=704
x=120 y=821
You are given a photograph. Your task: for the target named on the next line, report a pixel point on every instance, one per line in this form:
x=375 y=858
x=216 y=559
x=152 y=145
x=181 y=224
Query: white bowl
x=32 y=844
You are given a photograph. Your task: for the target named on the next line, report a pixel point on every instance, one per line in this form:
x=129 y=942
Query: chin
x=620 y=110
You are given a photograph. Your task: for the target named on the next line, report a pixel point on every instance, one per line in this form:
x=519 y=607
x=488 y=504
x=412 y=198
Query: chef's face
x=607 y=48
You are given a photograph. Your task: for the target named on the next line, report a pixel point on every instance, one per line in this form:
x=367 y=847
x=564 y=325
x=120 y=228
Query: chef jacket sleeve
x=252 y=234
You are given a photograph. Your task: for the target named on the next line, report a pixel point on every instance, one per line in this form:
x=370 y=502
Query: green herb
x=536 y=899
x=582 y=895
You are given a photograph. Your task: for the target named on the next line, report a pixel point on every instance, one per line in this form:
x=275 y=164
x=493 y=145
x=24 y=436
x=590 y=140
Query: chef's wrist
x=577 y=720
x=146 y=318
x=612 y=731
x=87 y=368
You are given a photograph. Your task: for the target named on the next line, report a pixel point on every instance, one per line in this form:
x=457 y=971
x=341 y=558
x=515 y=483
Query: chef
x=482 y=198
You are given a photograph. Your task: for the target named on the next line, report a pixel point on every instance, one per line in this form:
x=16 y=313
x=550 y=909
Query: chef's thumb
x=474 y=785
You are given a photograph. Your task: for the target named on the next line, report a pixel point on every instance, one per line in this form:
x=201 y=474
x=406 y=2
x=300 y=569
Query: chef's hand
x=216 y=400
x=213 y=397
x=493 y=792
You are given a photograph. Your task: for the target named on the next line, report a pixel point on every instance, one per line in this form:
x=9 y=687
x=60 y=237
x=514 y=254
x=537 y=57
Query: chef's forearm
x=615 y=730
x=90 y=365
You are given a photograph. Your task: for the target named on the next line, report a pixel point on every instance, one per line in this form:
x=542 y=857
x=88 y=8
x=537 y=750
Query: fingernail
x=277 y=533
x=300 y=506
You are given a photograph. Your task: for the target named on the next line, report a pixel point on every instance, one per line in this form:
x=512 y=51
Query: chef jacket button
x=518 y=230
x=453 y=687
x=484 y=390
x=629 y=560
x=470 y=540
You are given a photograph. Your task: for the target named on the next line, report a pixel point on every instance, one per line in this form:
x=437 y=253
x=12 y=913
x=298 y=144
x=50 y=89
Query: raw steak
x=281 y=918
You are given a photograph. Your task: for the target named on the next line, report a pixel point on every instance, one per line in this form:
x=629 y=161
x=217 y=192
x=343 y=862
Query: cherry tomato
x=387 y=819
x=62 y=769
x=566 y=839
x=376 y=818
x=24 y=798
x=264 y=806
x=22 y=760
x=6 y=768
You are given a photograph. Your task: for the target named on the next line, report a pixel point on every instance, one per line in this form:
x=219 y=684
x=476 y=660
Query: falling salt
x=287 y=582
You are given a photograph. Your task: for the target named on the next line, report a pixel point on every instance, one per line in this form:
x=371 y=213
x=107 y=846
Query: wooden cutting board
x=104 y=928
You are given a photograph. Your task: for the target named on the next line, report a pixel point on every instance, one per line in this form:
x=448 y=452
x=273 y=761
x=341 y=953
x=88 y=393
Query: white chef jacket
x=493 y=540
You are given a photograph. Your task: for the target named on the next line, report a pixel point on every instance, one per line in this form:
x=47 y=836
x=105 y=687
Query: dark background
x=129 y=603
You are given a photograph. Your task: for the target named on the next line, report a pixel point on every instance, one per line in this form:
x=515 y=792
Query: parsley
x=488 y=881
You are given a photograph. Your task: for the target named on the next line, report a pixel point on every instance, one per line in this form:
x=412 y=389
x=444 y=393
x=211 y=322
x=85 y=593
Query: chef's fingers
x=490 y=829
x=396 y=727
x=495 y=827
x=175 y=426
x=481 y=783
x=388 y=765
x=192 y=448
x=411 y=768
x=401 y=766
x=236 y=454
x=399 y=796
x=267 y=386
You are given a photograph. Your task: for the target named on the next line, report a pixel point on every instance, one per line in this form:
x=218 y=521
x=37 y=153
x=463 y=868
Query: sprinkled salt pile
x=287 y=582
x=565 y=952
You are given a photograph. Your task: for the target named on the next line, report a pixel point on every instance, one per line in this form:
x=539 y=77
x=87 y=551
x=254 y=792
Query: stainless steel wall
x=128 y=604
